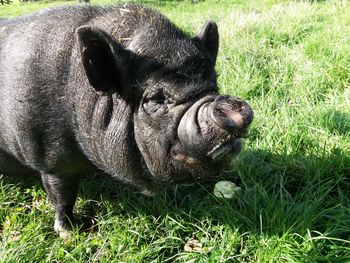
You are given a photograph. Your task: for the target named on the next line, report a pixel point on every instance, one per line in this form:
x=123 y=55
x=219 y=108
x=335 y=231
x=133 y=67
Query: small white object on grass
x=193 y=245
x=226 y=189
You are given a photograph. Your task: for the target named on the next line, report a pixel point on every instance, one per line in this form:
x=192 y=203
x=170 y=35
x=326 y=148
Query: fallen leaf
x=193 y=245
x=14 y=236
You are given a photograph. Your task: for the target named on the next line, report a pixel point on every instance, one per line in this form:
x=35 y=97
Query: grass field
x=291 y=62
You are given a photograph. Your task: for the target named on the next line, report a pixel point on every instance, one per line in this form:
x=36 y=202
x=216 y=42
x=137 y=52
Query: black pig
x=117 y=89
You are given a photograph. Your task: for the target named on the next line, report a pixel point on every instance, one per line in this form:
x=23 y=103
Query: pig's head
x=184 y=129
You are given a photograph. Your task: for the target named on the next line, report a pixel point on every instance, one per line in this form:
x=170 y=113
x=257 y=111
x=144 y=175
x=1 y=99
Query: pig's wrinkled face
x=185 y=130
x=191 y=137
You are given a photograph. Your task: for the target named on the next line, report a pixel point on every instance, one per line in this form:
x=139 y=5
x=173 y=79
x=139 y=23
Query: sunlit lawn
x=291 y=62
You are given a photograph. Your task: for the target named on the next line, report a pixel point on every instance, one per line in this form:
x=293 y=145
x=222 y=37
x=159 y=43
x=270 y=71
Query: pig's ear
x=105 y=61
x=209 y=36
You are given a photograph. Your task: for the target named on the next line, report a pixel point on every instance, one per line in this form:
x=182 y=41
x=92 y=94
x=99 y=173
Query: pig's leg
x=62 y=191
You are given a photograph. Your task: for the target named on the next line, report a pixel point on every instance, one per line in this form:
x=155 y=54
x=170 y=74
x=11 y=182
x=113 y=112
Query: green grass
x=291 y=62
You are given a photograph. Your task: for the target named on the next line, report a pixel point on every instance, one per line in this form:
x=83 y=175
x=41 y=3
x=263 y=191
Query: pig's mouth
x=231 y=146
x=210 y=134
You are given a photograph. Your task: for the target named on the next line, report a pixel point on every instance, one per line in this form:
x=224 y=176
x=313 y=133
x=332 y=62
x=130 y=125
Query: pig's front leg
x=62 y=191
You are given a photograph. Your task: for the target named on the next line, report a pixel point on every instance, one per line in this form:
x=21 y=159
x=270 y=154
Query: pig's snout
x=213 y=127
x=210 y=134
x=231 y=114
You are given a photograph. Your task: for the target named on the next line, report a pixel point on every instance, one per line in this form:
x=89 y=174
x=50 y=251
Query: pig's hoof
x=65 y=234
x=63 y=230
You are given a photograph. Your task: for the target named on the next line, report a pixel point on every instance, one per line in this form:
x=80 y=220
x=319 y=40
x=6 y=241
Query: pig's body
x=40 y=84
x=86 y=89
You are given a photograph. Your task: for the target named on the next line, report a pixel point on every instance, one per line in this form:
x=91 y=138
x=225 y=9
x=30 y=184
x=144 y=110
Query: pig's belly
x=11 y=166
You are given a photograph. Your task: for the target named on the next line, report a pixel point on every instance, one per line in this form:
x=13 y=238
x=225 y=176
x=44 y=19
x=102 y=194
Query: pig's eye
x=156 y=103
x=157 y=98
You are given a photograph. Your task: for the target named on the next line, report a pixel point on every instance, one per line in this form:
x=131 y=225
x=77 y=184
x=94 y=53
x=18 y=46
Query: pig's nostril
x=235 y=105
x=221 y=112
x=225 y=103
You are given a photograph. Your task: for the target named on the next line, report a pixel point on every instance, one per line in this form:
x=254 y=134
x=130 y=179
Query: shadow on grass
x=336 y=122
x=279 y=194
